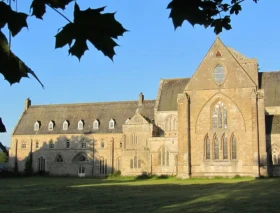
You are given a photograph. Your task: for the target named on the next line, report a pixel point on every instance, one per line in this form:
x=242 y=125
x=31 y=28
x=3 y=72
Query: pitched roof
x=272 y=123
x=168 y=94
x=73 y=113
x=270 y=82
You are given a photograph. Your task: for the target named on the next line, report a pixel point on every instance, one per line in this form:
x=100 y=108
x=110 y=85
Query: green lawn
x=79 y=195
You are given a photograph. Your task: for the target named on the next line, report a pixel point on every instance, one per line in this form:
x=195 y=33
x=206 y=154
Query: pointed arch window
x=51 y=125
x=233 y=148
x=80 y=125
x=216 y=148
x=163 y=156
x=219 y=74
x=219 y=116
x=135 y=163
x=65 y=125
x=102 y=144
x=102 y=166
x=134 y=139
x=96 y=124
x=207 y=148
x=51 y=144
x=171 y=123
x=225 y=147
x=41 y=163
x=36 y=126
x=111 y=124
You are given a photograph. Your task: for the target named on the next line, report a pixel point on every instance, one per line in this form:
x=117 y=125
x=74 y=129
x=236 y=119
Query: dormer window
x=96 y=124
x=80 y=125
x=111 y=124
x=127 y=120
x=65 y=125
x=51 y=124
x=36 y=126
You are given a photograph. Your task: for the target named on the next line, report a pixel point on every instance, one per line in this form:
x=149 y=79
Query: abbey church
x=223 y=121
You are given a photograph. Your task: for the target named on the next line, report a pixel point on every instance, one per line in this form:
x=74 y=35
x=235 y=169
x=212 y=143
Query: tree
x=101 y=29
x=3 y=157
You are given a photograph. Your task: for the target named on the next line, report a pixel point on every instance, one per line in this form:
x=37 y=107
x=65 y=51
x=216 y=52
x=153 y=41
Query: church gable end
x=220 y=69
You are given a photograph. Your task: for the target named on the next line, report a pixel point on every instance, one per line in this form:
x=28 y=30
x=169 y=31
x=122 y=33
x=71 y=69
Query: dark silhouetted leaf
x=99 y=29
x=65 y=36
x=236 y=8
x=16 y=22
x=38 y=8
x=2 y=127
x=79 y=47
x=12 y=68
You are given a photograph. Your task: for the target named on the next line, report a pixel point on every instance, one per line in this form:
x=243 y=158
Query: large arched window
x=233 y=148
x=163 y=156
x=171 y=123
x=219 y=116
x=207 y=148
x=216 y=148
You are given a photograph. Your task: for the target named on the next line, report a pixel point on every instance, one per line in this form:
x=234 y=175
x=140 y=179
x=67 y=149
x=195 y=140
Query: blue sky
x=151 y=50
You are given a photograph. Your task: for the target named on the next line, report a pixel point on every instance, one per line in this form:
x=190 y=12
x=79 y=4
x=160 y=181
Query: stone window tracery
x=59 y=159
x=219 y=116
x=163 y=156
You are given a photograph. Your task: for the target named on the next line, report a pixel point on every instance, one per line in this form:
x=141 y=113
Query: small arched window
x=80 y=125
x=96 y=124
x=102 y=144
x=65 y=125
x=59 y=158
x=84 y=145
x=225 y=147
x=37 y=144
x=134 y=139
x=51 y=125
x=216 y=148
x=36 y=126
x=163 y=156
x=171 y=123
x=207 y=148
x=51 y=144
x=111 y=124
x=233 y=148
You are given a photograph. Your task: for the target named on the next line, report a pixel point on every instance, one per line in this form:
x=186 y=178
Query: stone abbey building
x=223 y=121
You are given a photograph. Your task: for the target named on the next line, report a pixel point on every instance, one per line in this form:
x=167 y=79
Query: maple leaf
x=39 y=6
x=11 y=67
x=2 y=126
x=15 y=20
x=90 y=25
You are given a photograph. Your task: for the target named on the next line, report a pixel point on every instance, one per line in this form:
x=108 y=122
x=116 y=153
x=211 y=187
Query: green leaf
x=11 y=67
x=91 y=25
x=38 y=8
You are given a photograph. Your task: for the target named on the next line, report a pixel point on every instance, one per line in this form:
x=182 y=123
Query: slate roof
x=270 y=82
x=168 y=94
x=88 y=112
x=272 y=123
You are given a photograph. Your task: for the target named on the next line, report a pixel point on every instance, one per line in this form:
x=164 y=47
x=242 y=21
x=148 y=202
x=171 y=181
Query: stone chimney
x=27 y=104
x=140 y=99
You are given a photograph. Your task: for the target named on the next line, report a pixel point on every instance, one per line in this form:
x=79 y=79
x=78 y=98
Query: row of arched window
x=135 y=163
x=171 y=123
x=220 y=149
x=65 y=125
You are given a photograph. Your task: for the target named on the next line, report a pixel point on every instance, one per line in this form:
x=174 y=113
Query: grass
x=87 y=195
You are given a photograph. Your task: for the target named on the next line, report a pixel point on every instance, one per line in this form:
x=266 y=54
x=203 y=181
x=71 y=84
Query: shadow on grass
x=161 y=195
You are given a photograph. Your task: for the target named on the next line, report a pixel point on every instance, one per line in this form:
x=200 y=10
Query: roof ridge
x=89 y=103
x=170 y=79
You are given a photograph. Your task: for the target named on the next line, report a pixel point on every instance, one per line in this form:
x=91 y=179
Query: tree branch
x=60 y=14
